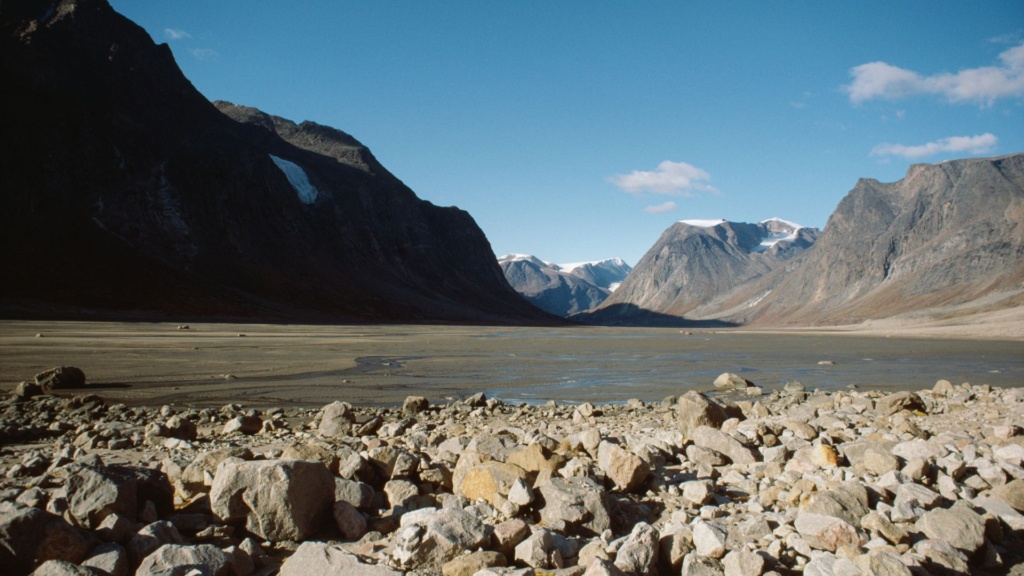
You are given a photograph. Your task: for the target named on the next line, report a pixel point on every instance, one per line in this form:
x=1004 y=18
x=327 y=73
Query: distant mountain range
x=945 y=241
x=563 y=289
x=124 y=192
x=695 y=264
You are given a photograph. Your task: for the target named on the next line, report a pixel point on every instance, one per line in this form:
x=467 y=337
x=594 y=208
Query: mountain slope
x=562 y=290
x=946 y=235
x=696 y=265
x=125 y=192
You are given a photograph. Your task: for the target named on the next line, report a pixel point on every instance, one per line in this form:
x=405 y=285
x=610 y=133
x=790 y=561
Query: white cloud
x=670 y=179
x=985 y=85
x=176 y=34
x=971 y=144
x=203 y=53
x=661 y=208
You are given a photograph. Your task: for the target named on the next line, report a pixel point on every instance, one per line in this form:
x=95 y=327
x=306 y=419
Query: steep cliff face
x=947 y=234
x=697 y=266
x=124 y=191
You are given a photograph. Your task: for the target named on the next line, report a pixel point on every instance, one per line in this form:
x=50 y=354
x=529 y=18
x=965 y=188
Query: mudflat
x=303 y=365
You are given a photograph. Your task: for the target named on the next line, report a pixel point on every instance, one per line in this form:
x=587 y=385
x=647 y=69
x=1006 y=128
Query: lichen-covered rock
x=428 y=538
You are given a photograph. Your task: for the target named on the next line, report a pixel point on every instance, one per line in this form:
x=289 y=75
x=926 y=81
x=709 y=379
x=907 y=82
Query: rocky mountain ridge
x=563 y=290
x=695 y=265
x=126 y=193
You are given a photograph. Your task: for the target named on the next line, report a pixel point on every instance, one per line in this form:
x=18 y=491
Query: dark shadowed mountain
x=563 y=290
x=946 y=240
x=696 y=264
x=124 y=192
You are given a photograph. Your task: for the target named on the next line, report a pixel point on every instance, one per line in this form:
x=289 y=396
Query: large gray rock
x=110 y=558
x=29 y=536
x=150 y=537
x=61 y=377
x=897 y=401
x=1012 y=493
x=625 y=469
x=94 y=492
x=575 y=505
x=712 y=439
x=638 y=555
x=64 y=568
x=695 y=409
x=336 y=419
x=276 y=499
x=429 y=537
x=312 y=558
x=181 y=559
x=197 y=477
x=962 y=527
x=709 y=539
x=848 y=502
x=826 y=532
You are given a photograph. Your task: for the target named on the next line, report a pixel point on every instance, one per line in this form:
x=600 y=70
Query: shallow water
x=211 y=364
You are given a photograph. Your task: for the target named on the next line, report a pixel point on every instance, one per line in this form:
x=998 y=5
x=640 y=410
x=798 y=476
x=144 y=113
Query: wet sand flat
x=301 y=365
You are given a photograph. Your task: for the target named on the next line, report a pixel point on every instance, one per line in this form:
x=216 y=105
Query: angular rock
x=695 y=409
x=61 y=378
x=336 y=419
x=64 y=568
x=110 y=558
x=730 y=381
x=578 y=504
x=826 y=532
x=742 y=563
x=625 y=469
x=707 y=437
x=29 y=536
x=1012 y=493
x=413 y=405
x=638 y=555
x=709 y=539
x=197 y=477
x=962 y=527
x=276 y=499
x=429 y=538
x=181 y=558
x=491 y=481
x=247 y=425
x=470 y=564
x=323 y=558
x=151 y=537
x=904 y=400
x=539 y=551
x=350 y=522
x=94 y=492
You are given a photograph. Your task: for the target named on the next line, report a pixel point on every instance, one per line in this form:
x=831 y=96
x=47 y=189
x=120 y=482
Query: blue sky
x=581 y=130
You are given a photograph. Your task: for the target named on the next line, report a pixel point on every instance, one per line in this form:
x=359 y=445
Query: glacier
x=297 y=178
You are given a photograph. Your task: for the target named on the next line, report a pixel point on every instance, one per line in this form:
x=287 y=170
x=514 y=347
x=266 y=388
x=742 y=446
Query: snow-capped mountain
x=563 y=289
x=697 y=264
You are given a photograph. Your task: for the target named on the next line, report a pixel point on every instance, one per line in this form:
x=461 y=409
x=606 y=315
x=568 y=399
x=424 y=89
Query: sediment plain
x=247 y=449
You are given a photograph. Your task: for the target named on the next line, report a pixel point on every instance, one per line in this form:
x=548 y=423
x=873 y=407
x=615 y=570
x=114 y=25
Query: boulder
x=29 y=536
x=576 y=505
x=625 y=469
x=94 y=492
x=893 y=403
x=962 y=527
x=709 y=539
x=730 y=381
x=490 y=481
x=695 y=409
x=712 y=439
x=470 y=564
x=110 y=558
x=1012 y=493
x=350 y=522
x=65 y=568
x=413 y=405
x=826 y=532
x=245 y=424
x=150 y=537
x=61 y=378
x=336 y=419
x=429 y=538
x=182 y=558
x=197 y=477
x=275 y=499
x=638 y=554
x=324 y=558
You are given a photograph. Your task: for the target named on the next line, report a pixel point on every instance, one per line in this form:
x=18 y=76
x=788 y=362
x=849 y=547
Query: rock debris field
x=741 y=481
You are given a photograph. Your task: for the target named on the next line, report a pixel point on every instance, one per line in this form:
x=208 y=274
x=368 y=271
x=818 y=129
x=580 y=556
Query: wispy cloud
x=980 y=144
x=176 y=34
x=669 y=179
x=203 y=53
x=661 y=208
x=985 y=85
